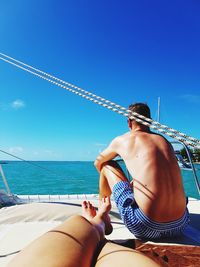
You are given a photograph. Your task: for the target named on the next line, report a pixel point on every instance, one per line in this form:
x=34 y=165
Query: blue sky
x=125 y=51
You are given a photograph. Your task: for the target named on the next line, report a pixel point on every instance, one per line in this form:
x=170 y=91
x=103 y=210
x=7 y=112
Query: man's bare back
x=160 y=208
x=157 y=182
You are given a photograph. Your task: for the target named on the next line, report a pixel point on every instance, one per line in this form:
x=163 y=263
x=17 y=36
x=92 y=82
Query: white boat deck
x=20 y=224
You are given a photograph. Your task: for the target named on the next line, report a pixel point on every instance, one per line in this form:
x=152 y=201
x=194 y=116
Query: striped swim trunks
x=138 y=223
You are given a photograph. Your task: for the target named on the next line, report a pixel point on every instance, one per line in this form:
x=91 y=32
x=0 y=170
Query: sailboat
x=182 y=164
x=29 y=216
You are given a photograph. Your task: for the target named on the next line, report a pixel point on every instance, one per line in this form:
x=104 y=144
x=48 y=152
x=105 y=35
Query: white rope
x=166 y=128
x=106 y=103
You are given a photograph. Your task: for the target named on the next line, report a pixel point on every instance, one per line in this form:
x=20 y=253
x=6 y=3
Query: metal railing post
x=5 y=181
x=191 y=163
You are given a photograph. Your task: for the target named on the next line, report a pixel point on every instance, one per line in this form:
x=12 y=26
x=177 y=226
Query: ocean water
x=66 y=177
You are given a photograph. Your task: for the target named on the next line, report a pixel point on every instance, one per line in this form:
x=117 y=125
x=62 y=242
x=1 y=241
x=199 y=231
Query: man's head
x=140 y=108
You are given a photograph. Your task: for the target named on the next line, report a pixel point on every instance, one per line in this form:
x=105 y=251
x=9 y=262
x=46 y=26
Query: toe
x=84 y=204
x=89 y=205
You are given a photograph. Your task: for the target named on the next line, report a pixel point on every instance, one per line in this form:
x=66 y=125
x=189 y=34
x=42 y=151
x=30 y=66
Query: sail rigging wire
x=84 y=95
x=62 y=81
x=29 y=162
x=102 y=99
x=105 y=103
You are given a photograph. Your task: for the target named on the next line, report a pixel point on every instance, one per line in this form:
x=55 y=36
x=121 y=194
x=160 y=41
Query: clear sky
x=125 y=51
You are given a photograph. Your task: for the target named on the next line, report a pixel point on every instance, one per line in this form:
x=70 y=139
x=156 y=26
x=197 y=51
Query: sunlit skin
x=149 y=158
x=80 y=242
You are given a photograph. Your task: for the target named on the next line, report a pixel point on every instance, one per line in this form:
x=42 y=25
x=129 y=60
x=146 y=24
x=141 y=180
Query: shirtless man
x=153 y=205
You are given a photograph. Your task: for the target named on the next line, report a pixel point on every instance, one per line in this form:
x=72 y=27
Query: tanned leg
x=73 y=243
x=114 y=255
x=111 y=173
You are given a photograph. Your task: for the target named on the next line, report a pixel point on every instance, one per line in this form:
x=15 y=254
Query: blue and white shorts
x=138 y=223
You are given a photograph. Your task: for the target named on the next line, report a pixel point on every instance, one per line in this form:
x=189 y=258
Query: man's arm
x=109 y=153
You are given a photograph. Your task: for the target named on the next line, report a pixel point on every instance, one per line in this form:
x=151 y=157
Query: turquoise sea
x=65 y=177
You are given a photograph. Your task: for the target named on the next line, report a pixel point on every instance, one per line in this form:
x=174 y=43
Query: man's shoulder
x=151 y=137
x=120 y=138
x=160 y=137
x=161 y=141
x=123 y=136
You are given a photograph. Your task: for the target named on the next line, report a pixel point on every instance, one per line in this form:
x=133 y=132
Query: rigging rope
x=188 y=140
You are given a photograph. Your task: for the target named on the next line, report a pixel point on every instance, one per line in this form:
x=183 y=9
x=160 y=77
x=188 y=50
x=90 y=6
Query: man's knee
x=113 y=173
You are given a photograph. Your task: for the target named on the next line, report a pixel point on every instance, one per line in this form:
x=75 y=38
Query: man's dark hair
x=141 y=108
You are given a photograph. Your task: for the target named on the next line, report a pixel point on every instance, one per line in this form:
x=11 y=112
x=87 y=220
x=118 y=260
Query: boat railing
x=5 y=181
x=128 y=174
x=191 y=163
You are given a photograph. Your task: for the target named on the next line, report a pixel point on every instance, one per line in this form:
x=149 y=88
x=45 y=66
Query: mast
x=159 y=109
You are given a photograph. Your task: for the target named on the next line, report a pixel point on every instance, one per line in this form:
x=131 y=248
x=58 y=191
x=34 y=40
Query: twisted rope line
x=165 y=127
x=64 y=82
x=114 y=107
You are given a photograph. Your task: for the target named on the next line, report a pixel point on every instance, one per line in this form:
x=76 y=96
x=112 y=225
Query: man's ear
x=129 y=123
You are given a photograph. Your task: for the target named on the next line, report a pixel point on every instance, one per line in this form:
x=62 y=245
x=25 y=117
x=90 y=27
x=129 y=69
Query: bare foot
x=104 y=208
x=100 y=219
x=104 y=205
x=88 y=210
